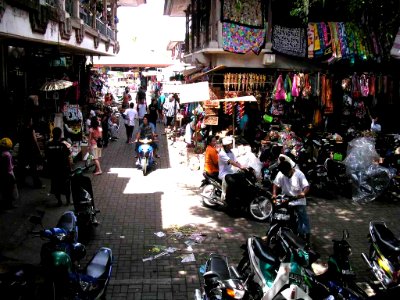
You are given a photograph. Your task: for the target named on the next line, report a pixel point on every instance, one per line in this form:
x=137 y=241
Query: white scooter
x=267 y=277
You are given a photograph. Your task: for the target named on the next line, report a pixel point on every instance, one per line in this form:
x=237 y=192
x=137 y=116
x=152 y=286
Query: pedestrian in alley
x=130 y=115
x=141 y=110
x=9 y=190
x=95 y=137
x=170 y=109
x=153 y=114
x=105 y=117
x=29 y=155
x=126 y=98
x=59 y=163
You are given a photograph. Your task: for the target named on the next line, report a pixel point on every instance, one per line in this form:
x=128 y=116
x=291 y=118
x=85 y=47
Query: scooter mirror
x=36 y=220
x=346 y=234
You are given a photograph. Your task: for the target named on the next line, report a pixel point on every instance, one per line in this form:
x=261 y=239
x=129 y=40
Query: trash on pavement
x=202 y=269
x=159 y=234
x=188 y=258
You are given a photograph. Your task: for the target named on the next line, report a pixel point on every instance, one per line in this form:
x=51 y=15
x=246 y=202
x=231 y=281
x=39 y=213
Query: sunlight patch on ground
x=176 y=211
x=177 y=199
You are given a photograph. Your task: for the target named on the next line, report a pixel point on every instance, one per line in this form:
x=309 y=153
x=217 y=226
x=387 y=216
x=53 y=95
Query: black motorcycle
x=83 y=199
x=221 y=281
x=251 y=196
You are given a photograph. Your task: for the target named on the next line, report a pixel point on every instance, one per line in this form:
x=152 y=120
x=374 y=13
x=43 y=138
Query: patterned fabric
x=243 y=12
x=242 y=39
x=291 y=41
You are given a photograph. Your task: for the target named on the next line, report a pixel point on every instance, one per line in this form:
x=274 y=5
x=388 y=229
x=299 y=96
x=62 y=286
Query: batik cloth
x=291 y=41
x=242 y=39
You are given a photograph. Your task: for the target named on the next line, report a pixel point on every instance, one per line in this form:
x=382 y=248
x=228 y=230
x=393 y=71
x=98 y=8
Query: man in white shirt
x=293 y=183
x=227 y=160
x=130 y=115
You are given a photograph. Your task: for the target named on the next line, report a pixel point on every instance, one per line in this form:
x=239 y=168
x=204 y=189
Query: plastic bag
x=369 y=179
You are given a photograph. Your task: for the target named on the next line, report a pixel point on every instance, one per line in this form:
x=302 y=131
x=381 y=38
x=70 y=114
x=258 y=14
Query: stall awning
x=201 y=74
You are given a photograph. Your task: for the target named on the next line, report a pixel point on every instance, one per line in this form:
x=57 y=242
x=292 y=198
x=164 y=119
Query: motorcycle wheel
x=260 y=208
x=206 y=195
x=144 y=165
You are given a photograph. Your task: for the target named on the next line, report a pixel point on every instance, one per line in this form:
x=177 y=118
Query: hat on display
x=6 y=143
x=227 y=140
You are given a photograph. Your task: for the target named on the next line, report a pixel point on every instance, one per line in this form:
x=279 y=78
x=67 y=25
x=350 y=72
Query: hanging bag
x=279 y=91
x=288 y=88
x=295 y=86
x=395 y=50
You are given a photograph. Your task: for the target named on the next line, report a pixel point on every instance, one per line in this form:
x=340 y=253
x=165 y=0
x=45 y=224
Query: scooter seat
x=385 y=237
x=217 y=266
x=212 y=178
x=99 y=263
x=264 y=253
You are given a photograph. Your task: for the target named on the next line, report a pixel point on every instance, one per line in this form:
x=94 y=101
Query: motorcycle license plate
x=284 y=217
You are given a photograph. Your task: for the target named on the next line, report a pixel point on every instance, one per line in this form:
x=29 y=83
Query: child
x=9 y=189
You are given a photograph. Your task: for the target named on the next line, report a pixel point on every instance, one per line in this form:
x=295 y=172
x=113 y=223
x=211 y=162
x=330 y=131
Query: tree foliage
x=382 y=15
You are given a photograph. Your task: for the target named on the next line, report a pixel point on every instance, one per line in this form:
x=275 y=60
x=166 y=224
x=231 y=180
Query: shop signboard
x=194 y=92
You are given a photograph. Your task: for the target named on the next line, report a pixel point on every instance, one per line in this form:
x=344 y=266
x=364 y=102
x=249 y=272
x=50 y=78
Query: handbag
x=99 y=142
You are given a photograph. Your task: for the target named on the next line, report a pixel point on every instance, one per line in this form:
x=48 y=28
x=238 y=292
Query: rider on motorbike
x=230 y=179
x=293 y=183
x=146 y=130
x=211 y=158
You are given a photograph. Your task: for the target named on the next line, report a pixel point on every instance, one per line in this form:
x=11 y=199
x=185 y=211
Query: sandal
x=157 y=156
x=98 y=173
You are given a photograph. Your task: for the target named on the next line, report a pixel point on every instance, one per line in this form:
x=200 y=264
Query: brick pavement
x=134 y=207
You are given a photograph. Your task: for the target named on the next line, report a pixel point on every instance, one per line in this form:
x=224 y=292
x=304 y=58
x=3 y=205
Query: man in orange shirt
x=211 y=158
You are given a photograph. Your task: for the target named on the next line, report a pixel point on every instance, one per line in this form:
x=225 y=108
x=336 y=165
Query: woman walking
x=95 y=135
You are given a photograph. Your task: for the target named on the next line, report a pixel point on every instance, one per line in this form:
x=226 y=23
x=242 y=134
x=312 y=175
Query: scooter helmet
x=6 y=143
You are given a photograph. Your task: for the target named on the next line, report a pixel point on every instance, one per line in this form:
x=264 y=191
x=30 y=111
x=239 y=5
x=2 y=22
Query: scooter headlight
x=234 y=293
x=235 y=290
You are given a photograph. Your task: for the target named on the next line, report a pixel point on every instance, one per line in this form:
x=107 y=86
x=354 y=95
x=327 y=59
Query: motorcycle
x=221 y=281
x=383 y=257
x=254 y=198
x=83 y=200
x=267 y=277
x=60 y=257
x=146 y=159
x=339 y=269
x=282 y=216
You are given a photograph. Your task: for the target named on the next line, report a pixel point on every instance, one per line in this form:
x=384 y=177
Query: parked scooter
x=146 y=159
x=82 y=196
x=60 y=257
x=266 y=276
x=221 y=281
x=383 y=257
x=254 y=198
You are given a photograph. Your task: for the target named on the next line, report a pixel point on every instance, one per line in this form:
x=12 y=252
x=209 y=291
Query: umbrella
x=55 y=85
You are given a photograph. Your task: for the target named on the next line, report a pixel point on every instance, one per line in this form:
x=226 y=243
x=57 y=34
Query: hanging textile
x=248 y=13
x=291 y=41
x=326 y=94
x=242 y=39
x=310 y=40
